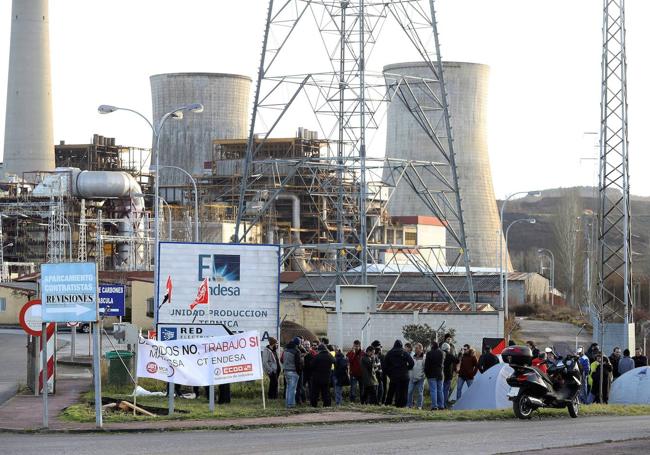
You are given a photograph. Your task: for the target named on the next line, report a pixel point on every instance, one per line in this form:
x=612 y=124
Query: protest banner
x=203 y=361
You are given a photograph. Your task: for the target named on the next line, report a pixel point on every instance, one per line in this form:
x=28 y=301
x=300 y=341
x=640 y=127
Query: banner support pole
x=44 y=373
x=262 y=381
x=97 y=375
x=211 y=393
x=170 y=400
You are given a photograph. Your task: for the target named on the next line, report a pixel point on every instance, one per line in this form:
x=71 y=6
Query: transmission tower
x=614 y=234
x=56 y=230
x=348 y=103
x=82 y=255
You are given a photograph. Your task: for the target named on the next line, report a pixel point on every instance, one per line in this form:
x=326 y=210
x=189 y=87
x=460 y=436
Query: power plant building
x=467 y=88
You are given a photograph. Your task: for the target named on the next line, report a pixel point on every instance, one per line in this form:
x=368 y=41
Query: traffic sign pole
x=97 y=376
x=44 y=372
x=73 y=343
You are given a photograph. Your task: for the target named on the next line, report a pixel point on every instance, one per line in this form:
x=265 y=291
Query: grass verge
x=246 y=403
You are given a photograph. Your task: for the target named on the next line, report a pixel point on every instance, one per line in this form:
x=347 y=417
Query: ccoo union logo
x=152 y=367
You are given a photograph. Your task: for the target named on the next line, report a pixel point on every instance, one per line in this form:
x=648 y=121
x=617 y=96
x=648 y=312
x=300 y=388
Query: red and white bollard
x=51 y=348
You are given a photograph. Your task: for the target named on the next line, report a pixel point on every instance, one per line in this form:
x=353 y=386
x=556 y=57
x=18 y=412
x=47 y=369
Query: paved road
x=399 y=438
x=13 y=358
x=634 y=446
x=547 y=333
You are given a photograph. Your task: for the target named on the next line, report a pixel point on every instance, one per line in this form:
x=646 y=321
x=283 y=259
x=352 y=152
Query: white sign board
x=202 y=362
x=236 y=285
x=169 y=332
x=69 y=292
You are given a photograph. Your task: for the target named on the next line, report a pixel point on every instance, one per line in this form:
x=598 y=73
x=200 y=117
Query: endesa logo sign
x=219 y=268
x=243 y=368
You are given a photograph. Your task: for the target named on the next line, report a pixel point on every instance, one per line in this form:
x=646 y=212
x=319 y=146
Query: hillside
x=524 y=240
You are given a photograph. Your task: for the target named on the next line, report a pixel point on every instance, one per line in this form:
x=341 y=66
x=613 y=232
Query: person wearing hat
x=271 y=366
x=382 y=379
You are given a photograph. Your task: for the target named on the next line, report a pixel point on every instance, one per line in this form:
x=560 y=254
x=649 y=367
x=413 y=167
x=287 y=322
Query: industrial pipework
x=104 y=185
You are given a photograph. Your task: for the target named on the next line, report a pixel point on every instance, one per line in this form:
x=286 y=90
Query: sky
x=544 y=55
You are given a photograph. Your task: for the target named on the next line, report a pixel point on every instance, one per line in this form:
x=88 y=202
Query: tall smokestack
x=29 y=143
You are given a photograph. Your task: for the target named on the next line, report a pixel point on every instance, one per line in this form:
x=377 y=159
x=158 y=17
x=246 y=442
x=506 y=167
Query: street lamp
x=552 y=256
x=501 y=255
x=505 y=279
x=157 y=168
x=156 y=129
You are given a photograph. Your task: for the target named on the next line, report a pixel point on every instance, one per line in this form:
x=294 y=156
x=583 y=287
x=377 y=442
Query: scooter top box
x=517 y=355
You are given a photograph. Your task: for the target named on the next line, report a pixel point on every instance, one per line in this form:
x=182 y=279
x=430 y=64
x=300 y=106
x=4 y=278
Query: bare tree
x=568 y=244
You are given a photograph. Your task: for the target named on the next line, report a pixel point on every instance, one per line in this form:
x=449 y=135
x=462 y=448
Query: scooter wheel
x=522 y=407
x=573 y=407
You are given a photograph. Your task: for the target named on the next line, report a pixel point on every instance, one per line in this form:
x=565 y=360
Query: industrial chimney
x=29 y=142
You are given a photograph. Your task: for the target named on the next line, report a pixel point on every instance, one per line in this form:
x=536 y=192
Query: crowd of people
x=316 y=372
x=312 y=370
x=591 y=362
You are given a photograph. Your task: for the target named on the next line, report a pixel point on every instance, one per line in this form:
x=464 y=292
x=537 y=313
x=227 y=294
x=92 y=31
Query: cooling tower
x=467 y=88
x=29 y=142
x=187 y=143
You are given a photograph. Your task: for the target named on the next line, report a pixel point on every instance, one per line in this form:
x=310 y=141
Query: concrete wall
x=29 y=139
x=467 y=86
x=15 y=302
x=471 y=328
x=614 y=336
x=140 y=292
x=312 y=318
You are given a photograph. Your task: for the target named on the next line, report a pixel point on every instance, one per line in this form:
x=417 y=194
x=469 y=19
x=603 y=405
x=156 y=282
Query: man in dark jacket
x=341 y=376
x=321 y=371
x=354 y=361
x=639 y=359
x=487 y=360
x=369 y=377
x=614 y=359
x=449 y=369
x=467 y=371
x=398 y=364
x=308 y=357
x=433 y=370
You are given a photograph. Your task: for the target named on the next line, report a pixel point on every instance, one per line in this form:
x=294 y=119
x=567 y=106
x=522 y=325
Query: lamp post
x=505 y=280
x=196 y=195
x=552 y=256
x=501 y=255
x=156 y=129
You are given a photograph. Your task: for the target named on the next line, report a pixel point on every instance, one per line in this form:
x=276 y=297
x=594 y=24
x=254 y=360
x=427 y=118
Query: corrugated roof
x=411 y=283
x=427 y=307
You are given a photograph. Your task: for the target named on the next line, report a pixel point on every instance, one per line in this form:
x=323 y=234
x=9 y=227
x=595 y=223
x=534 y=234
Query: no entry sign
x=30 y=318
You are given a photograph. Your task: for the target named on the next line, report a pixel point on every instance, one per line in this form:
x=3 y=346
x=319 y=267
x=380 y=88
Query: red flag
x=168 y=292
x=202 y=295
